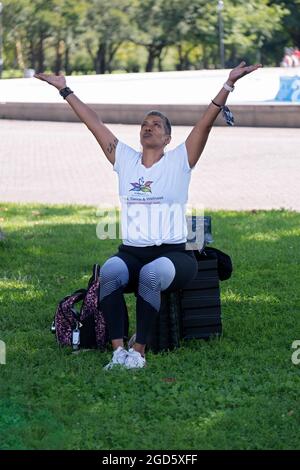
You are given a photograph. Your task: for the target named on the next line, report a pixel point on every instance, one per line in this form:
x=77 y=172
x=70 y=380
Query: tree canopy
x=103 y=36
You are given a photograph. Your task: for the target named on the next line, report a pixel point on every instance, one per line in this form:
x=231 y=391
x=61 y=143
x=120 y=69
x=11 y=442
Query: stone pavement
x=240 y=169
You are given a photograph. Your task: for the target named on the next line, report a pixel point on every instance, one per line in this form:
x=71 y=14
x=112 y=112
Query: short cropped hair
x=166 y=121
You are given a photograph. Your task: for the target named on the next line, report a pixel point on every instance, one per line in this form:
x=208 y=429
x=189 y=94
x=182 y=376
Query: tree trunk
x=67 y=59
x=94 y=58
x=40 y=54
x=160 y=60
x=101 y=59
x=19 y=54
x=232 y=61
x=179 y=65
x=154 y=52
x=32 y=54
x=151 y=59
x=59 y=56
x=112 y=49
x=205 y=59
x=186 y=60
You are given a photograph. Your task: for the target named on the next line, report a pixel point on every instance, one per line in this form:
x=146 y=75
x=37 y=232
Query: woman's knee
x=149 y=277
x=113 y=275
x=149 y=286
x=158 y=274
x=186 y=268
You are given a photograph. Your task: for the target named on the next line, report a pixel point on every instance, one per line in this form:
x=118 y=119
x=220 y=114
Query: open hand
x=241 y=70
x=58 y=81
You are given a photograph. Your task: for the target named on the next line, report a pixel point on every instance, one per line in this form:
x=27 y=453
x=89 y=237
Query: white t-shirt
x=153 y=199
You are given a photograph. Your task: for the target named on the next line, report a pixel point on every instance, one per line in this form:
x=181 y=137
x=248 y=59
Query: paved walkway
x=240 y=169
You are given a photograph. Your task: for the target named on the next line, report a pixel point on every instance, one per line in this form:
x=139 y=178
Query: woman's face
x=153 y=133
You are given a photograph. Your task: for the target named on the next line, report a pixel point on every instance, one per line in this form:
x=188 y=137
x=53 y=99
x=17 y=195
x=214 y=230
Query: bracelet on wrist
x=227 y=114
x=64 y=92
x=228 y=87
x=216 y=104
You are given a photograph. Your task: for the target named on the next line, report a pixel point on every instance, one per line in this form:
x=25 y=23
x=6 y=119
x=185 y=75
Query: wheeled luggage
x=195 y=311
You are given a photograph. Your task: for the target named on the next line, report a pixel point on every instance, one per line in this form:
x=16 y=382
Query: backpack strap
x=95 y=276
x=78 y=296
x=96 y=272
x=80 y=293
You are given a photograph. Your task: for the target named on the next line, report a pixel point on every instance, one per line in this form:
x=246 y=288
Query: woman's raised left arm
x=197 y=139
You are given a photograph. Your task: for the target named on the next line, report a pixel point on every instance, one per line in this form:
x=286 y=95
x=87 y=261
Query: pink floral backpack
x=84 y=327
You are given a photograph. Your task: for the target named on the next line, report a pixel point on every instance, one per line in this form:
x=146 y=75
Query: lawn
x=237 y=392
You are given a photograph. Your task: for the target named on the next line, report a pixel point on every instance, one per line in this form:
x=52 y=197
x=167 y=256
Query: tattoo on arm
x=112 y=146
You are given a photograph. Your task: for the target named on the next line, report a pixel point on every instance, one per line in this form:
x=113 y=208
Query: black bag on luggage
x=223 y=260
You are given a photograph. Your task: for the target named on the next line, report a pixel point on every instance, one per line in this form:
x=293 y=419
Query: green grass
x=238 y=392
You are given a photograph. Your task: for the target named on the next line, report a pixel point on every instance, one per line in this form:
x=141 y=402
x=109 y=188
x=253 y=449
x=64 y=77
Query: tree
x=45 y=33
x=15 y=14
x=291 y=20
x=248 y=26
x=158 y=24
x=66 y=26
x=289 y=36
x=107 y=23
x=200 y=20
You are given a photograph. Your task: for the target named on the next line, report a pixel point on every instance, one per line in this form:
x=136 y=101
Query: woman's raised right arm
x=107 y=140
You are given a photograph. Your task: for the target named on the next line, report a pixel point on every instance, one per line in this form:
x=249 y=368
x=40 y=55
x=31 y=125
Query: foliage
x=238 y=392
x=290 y=32
x=77 y=35
x=107 y=24
x=249 y=23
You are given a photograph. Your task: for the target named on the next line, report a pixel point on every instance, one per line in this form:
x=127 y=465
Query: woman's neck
x=151 y=156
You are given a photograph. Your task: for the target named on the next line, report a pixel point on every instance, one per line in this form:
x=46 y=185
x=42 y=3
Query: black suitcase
x=167 y=329
x=200 y=304
x=191 y=313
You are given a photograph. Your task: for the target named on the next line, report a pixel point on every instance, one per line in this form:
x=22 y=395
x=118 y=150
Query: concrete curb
x=246 y=115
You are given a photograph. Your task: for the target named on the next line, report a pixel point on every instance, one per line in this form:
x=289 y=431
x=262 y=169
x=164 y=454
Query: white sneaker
x=118 y=358
x=134 y=360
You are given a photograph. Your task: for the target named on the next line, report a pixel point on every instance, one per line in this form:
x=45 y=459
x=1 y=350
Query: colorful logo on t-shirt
x=141 y=186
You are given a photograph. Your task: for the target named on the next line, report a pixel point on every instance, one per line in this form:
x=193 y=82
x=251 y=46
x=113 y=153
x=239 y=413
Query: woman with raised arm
x=153 y=188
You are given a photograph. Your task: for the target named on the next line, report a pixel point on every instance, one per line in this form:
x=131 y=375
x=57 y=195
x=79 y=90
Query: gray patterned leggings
x=146 y=271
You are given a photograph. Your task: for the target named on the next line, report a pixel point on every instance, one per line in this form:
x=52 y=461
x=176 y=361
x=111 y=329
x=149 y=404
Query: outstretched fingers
x=242 y=69
x=248 y=68
x=251 y=68
x=41 y=76
x=58 y=81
